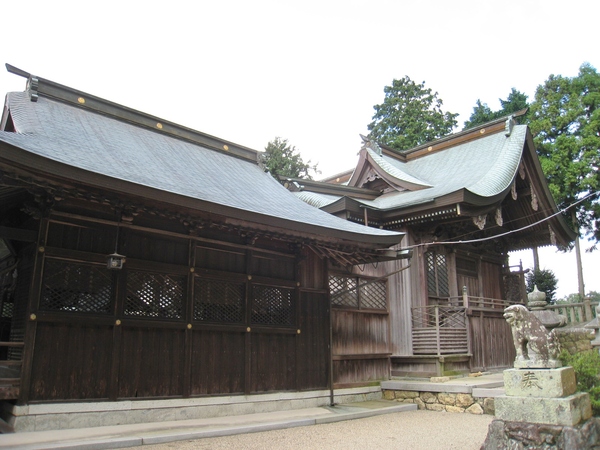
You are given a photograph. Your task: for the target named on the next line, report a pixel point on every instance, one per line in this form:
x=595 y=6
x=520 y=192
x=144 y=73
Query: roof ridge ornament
x=32 y=88
x=369 y=143
x=509 y=125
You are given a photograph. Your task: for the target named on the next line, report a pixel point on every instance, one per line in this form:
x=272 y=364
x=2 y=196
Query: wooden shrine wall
x=360 y=326
x=187 y=316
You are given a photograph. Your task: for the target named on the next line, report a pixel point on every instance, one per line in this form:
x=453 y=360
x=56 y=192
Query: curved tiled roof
x=395 y=171
x=102 y=145
x=485 y=167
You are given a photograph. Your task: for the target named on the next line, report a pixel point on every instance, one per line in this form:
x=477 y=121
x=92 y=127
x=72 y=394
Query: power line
x=472 y=241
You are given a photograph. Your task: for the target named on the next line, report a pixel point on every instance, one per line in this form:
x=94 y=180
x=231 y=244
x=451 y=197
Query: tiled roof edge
x=451 y=140
x=37 y=86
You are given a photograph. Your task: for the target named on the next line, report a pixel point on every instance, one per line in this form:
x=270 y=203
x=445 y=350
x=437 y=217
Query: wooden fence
x=439 y=330
x=476 y=326
x=582 y=312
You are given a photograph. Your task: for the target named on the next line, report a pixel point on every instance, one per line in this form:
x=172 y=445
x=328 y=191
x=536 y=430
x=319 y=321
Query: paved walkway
x=454 y=426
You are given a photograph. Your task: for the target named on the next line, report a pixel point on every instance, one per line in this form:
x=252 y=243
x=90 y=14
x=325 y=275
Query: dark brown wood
x=151 y=363
x=218 y=363
x=313 y=349
x=16 y=234
x=80 y=359
x=115 y=354
x=273 y=362
x=31 y=262
x=9 y=392
x=12 y=344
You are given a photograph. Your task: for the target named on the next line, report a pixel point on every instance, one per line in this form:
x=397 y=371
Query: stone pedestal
x=542 y=405
x=523 y=435
x=540 y=408
x=545 y=396
x=547 y=383
x=568 y=410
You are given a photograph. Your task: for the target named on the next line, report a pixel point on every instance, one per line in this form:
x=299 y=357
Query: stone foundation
x=575 y=340
x=443 y=401
x=57 y=416
x=518 y=435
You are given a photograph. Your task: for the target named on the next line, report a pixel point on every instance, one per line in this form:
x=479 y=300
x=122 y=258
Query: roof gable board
x=372 y=165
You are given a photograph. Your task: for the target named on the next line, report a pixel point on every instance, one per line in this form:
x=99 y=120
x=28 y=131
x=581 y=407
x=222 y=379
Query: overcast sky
x=308 y=71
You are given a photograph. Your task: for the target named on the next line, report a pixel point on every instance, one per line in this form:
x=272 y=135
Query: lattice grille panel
x=447 y=317
x=272 y=306
x=431 y=275
x=76 y=287
x=343 y=291
x=218 y=301
x=154 y=295
x=373 y=295
x=437 y=275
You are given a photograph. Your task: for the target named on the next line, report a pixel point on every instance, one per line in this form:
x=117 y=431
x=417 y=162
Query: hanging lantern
x=114 y=261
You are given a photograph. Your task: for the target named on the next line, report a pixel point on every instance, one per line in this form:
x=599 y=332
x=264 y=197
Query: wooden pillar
x=437 y=330
x=536 y=259
x=580 y=283
x=30 y=319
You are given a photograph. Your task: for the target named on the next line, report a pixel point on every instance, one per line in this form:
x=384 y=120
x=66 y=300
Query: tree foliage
x=587 y=373
x=410 y=115
x=594 y=296
x=545 y=280
x=516 y=101
x=283 y=160
x=565 y=122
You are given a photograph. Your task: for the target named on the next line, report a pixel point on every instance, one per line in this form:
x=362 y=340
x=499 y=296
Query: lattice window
x=76 y=287
x=357 y=292
x=374 y=295
x=218 y=301
x=343 y=291
x=437 y=275
x=272 y=306
x=7 y=310
x=154 y=295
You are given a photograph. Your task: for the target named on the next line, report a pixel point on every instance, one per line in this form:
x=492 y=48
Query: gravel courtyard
x=414 y=430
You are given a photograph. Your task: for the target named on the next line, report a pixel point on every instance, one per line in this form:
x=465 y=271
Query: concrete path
x=344 y=427
x=121 y=436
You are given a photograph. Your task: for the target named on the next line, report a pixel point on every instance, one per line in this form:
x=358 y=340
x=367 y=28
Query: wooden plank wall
x=491 y=341
x=361 y=338
x=77 y=355
x=492 y=280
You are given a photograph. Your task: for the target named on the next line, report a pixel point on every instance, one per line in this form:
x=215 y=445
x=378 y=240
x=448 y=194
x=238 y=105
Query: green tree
x=481 y=114
x=565 y=122
x=410 y=115
x=545 y=280
x=594 y=296
x=283 y=160
x=516 y=101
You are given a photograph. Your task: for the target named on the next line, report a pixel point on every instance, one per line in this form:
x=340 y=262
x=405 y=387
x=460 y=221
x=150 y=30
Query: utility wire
x=471 y=241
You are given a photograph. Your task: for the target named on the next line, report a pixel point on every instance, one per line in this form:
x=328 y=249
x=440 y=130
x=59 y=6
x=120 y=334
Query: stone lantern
x=536 y=303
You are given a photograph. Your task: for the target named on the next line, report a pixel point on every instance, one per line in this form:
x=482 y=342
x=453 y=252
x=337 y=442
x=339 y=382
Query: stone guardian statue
x=536 y=347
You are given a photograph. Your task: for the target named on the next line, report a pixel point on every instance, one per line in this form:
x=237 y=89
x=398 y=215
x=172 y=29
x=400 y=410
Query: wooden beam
x=16 y=234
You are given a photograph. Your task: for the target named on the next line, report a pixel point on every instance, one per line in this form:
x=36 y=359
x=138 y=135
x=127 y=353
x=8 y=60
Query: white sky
x=309 y=71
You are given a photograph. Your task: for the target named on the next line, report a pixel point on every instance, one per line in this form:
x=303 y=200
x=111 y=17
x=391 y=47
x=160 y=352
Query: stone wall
x=575 y=340
x=443 y=401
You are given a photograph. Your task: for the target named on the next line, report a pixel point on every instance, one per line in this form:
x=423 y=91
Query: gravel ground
x=412 y=430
